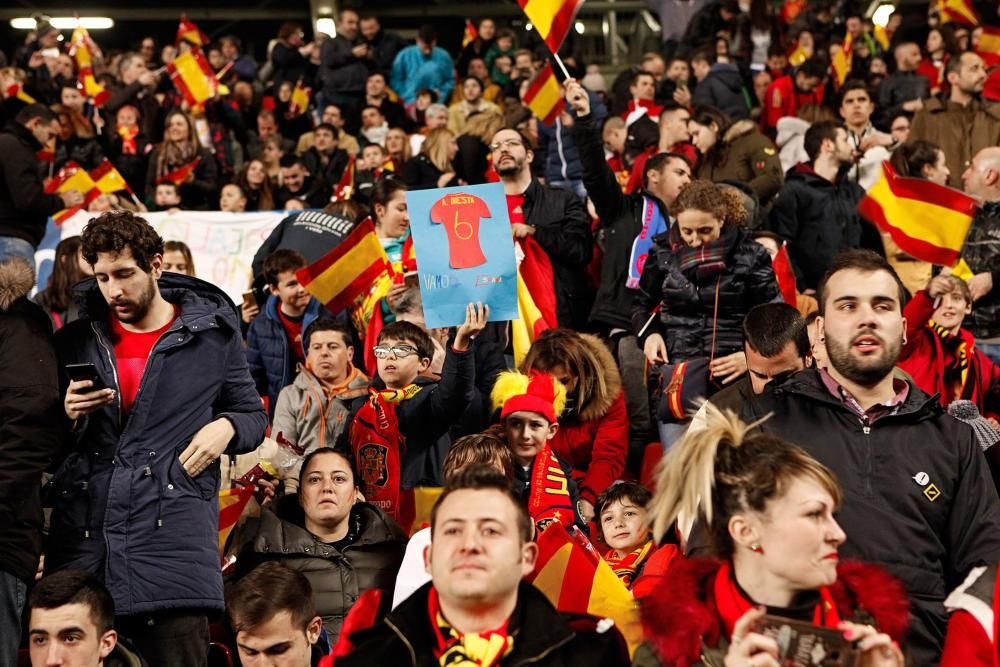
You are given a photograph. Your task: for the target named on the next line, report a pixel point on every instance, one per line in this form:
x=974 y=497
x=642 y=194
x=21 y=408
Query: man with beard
x=553 y=218
x=918 y=497
x=162 y=392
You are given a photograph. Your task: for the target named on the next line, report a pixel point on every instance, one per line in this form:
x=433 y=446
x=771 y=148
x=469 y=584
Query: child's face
x=505 y=43
x=371 y=156
x=527 y=432
x=623 y=524
x=291 y=293
x=398 y=371
x=166 y=195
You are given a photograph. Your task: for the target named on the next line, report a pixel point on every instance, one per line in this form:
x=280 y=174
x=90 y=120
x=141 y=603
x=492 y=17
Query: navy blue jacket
x=269 y=355
x=558 y=145
x=123 y=506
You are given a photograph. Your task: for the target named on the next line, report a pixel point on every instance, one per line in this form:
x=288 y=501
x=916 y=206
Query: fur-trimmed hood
x=738 y=129
x=601 y=402
x=680 y=616
x=16 y=280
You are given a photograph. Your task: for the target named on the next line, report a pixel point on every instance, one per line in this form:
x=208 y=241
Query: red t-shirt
x=131 y=352
x=293 y=330
x=460 y=214
x=515 y=208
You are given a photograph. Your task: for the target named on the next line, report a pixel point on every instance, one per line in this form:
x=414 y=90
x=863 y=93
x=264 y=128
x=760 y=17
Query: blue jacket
x=557 y=143
x=123 y=506
x=268 y=353
x=412 y=70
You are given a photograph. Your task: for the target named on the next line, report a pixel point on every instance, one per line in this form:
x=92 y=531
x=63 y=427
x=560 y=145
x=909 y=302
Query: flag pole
x=562 y=66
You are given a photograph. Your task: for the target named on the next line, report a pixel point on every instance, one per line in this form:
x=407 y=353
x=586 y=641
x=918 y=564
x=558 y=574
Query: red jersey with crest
x=460 y=215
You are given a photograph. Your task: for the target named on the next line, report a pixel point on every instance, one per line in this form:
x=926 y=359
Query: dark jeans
x=12 y=597
x=168 y=638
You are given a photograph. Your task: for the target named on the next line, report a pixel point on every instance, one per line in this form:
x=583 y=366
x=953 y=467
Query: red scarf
x=549 y=498
x=453 y=648
x=128 y=134
x=625 y=566
x=732 y=604
x=378 y=447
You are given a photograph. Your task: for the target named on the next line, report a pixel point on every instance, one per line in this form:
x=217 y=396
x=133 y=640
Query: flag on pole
x=345 y=187
x=107 y=179
x=578 y=581
x=83 y=50
x=926 y=220
x=989 y=41
x=544 y=97
x=536 y=299
x=842 y=61
x=958 y=11
x=193 y=77
x=300 y=99
x=782 y=265
x=16 y=91
x=348 y=271
x=470 y=33
x=72 y=177
x=232 y=502
x=191 y=33
x=180 y=174
x=553 y=19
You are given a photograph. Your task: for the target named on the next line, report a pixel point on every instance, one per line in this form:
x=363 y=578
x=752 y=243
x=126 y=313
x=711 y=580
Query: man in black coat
x=556 y=219
x=24 y=206
x=31 y=432
x=344 y=63
x=918 y=496
x=480 y=551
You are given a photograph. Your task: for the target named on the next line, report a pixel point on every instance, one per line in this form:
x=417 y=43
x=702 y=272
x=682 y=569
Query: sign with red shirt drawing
x=465 y=252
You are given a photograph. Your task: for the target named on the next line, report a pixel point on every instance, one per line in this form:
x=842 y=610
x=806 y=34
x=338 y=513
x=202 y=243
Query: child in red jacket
x=939 y=354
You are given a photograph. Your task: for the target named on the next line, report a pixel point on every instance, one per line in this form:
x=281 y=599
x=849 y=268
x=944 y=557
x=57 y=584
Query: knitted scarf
x=453 y=649
x=625 y=566
x=378 y=447
x=549 y=499
x=128 y=133
x=956 y=370
x=707 y=260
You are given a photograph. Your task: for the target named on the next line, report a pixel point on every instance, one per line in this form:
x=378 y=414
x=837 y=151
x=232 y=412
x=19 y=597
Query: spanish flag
x=576 y=580
x=842 y=61
x=193 y=77
x=348 y=271
x=345 y=187
x=798 y=56
x=783 y=272
x=926 y=220
x=300 y=99
x=553 y=19
x=544 y=96
x=536 y=298
x=180 y=174
x=16 y=91
x=470 y=33
x=72 y=177
x=107 y=178
x=958 y=11
x=82 y=48
x=989 y=41
x=191 y=33
x=232 y=502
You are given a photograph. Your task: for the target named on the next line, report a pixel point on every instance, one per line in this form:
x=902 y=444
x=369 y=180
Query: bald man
x=982 y=251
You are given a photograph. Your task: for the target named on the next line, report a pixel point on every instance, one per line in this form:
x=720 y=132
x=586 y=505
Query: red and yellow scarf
x=128 y=133
x=378 y=447
x=625 y=566
x=956 y=369
x=549 y=498
x=453 y=649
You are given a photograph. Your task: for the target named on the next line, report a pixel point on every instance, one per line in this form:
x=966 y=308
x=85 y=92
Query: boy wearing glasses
x=399 y=435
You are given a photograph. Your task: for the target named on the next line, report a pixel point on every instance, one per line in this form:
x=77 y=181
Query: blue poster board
x=465 y=252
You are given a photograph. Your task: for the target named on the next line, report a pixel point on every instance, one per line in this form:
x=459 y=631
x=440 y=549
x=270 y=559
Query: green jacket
x=745 y=155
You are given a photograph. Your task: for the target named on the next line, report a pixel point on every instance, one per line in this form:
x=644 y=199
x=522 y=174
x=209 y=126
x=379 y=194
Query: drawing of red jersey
x=460 y=214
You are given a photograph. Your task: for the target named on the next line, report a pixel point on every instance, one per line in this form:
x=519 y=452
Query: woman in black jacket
x=434 y=167
x=705 y=273
x=342 y=545
x=180 y=148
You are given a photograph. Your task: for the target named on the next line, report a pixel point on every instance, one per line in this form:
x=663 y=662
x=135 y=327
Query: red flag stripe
x=575 y=593
x=916 y=247
x=562 y=24
x=925 y=191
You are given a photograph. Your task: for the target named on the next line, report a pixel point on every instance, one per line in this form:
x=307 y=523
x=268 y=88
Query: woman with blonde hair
x=397 y=145
x=180 y=148
x=769 y=508
x=704 y=274
x=473 y=145
x=433 y=168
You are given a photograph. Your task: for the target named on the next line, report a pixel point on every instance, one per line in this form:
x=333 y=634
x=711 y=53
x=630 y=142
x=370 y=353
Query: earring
x=756 y=548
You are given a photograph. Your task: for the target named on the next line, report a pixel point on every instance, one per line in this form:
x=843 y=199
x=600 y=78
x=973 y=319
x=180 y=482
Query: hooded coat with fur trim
x=743 y=154
x=32 y=422
x=683 y=626
x=594 y=440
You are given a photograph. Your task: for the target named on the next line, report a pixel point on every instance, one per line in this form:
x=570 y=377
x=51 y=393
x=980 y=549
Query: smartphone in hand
x=85 y=371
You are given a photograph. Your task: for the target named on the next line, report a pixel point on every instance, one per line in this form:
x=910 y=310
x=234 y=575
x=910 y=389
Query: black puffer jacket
x=982 y=254
x=818 y=219
x=370 y=561
x=688 y=306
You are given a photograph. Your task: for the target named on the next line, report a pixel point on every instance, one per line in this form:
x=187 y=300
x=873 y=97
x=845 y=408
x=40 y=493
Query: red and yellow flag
x=989 y=41
x=72 y=177
x=345 y=187
x=300 y=99
x=470 y=33
x=553 y=19
x=576 y=580
x=926 y=220
x=782 y=265
x=232 y=502
x=16 y=91
x=536 y=298
x=83 y=50
x=544 y=97
x=193 y=77
x=958 y=11
x=189 y=32
x=841 y=63
x=180 y=174
x=348 y=271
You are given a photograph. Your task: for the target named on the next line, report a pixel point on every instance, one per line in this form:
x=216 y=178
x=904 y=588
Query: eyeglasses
x=506 y=143
x=398 y=351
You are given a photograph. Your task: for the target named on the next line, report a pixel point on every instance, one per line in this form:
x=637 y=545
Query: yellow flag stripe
x=338 y=277
x=542 y=13
x=194 y=77
x=943 y=227
x=80 y=181
x=523 y=329
x=550 y=578
x=610 y=599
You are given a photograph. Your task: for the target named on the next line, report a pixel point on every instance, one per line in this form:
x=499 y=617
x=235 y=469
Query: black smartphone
x=87 y=371
x=807 y=645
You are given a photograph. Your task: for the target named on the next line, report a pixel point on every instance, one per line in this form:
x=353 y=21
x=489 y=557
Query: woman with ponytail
x=704 y=275
x=769 y=509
